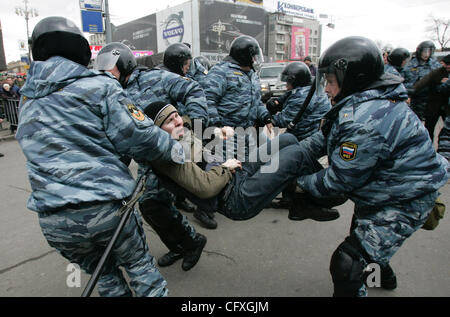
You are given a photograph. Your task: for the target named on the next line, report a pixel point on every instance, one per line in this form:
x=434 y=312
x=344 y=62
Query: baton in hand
x=302 y=110
x=125 y=212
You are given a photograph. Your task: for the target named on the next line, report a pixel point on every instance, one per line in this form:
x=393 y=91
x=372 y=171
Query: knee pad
x=347 y=269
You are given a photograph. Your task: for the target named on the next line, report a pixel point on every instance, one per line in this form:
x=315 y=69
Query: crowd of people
x=195 y=130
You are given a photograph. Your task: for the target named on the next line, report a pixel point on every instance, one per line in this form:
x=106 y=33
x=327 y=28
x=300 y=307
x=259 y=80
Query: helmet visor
x=258 y=58
x=106 y=60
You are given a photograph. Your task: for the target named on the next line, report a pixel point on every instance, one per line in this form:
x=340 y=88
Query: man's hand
x=224 y=133
x=232 y=164
x=444 y=80
x=273 y=105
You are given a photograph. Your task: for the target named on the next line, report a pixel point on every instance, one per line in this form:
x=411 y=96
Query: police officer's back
x=74 y=126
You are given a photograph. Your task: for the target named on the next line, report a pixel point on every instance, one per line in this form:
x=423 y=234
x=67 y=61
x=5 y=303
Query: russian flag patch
x=348 y=151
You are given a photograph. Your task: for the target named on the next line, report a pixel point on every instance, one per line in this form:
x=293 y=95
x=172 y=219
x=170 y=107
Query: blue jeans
x=259 y=181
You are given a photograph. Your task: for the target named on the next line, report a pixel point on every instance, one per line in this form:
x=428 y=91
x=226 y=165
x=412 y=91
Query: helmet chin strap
x=122 y=81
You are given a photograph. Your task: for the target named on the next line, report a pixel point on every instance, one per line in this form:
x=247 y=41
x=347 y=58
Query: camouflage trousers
x=381 y=234
x=444 y=139
x=81 y=236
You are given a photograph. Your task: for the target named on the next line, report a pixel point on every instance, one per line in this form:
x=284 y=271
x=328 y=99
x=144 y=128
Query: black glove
x=273 y=105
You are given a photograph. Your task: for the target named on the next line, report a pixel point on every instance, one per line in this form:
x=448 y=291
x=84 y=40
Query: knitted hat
x=159 y=111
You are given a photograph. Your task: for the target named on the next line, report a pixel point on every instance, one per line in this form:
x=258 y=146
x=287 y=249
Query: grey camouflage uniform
x=74 y=125
x=381 y=158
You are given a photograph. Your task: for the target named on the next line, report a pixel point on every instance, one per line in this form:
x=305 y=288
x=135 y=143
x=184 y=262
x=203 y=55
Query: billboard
x=95 y=49
x=295 y=10
x=299 y=43
x=174 y=26
x=139 y=34
x=91 y=5
x=222 y=22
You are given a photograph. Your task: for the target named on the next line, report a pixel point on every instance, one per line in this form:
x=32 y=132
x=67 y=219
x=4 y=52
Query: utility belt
x=82 y=206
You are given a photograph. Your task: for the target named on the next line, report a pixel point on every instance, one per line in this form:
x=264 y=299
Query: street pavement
x=267 y=256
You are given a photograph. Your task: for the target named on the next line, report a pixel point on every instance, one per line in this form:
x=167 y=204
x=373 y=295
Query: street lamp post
x=28 y=13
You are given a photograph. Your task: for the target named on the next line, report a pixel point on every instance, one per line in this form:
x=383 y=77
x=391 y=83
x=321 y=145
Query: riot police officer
x=284 y=109
x=157 y=204
x=397 y=60
x=416 y=69
x=380 y=157
x=232 y=87
x=74 y=126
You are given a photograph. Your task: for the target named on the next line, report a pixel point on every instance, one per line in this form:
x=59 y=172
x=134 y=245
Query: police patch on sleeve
x=135 y=112
x=348 y=151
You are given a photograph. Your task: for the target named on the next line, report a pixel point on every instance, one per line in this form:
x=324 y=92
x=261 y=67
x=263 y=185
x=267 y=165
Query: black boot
x=388 y=278
x=184 y=204
x=169 y=258
x=205 y=218
x=301 y=209
x=192 y=256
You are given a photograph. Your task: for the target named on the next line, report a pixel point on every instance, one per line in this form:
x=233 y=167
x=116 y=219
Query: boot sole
x=174 y=259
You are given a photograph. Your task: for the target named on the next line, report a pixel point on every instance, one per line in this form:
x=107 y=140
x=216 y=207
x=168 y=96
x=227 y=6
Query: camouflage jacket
x=146 y=86
x=388 y=68
x=378 y=150
x=310 y=121
x=196 y=71
x=234 y=96
x=74 y=125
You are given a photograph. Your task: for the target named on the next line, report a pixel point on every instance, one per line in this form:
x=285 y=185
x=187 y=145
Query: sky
x=399 y=23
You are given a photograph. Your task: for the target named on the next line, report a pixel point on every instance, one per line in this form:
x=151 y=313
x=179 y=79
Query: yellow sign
x=253 y=2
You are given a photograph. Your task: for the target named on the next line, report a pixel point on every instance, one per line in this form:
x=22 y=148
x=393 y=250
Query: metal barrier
x=11 y=108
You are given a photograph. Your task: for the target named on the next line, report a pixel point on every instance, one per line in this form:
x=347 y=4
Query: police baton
x=302 y=110
x=125 y=213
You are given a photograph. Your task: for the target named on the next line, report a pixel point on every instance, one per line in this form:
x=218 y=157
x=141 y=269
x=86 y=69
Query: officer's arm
x=214 y=85
x=353 y=162
x=134 y=134
x=190 y=93
x=289 y=111
x=315 y=145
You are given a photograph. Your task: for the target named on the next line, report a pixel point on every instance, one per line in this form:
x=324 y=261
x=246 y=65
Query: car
x=228 y=32
x=270 y=79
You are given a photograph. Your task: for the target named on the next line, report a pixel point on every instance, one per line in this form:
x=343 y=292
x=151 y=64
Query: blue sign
x=92 y=21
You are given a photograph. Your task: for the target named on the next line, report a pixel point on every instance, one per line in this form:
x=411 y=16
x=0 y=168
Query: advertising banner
x=174 y=26
x=295 y=10
x=139 y=34
x=299 y=43
x=222 y=22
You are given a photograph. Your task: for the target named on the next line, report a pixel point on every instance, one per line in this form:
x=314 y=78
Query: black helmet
x=204 y=61
x=58 y=36
x=424 y=45
x=175 y=56
x=397 y=56
x=297 y=74
x=245 y=50
x=116 y=54
x=356 y=61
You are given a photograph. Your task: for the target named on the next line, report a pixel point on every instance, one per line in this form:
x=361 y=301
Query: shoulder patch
x=348 y=151
x=346 y=115
x=135 y=112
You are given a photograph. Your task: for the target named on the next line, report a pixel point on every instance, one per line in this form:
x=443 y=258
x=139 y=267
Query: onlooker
x=8 y=92
x=311 y=66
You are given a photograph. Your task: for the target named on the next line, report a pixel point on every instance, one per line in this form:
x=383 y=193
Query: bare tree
x=438 y=30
